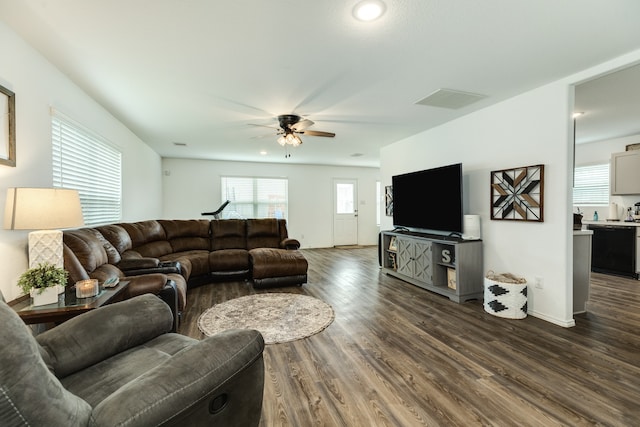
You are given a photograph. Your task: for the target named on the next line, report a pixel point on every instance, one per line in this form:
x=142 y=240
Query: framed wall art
x=7 y=127
x=518 y=194
x=388 y=200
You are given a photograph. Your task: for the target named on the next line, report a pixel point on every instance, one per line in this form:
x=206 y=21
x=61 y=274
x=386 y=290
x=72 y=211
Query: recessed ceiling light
x=368 y=10
x=577 y=114
x=263 y=152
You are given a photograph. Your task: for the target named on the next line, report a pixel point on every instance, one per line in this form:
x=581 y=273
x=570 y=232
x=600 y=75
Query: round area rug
x=280 y=317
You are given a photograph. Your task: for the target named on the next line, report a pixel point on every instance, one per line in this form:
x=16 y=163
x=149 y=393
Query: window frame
x=87 y=162
x=259 y=203
x=589 y=190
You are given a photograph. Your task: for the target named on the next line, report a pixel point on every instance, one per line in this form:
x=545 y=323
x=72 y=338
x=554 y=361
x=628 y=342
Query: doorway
x=345 y=212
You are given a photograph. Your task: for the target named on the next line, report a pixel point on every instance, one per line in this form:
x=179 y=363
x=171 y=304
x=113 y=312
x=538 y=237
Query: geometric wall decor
x=518 y=194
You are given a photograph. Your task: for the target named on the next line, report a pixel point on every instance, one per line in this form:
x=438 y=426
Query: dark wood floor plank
x=397 y=355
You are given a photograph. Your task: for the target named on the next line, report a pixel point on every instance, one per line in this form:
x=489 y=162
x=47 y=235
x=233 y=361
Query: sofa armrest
x=291 y=244
x=127 y=264
x=166 y=267
x=216 y=381
x=101 y=333
x=158 y=284
x=169 y=294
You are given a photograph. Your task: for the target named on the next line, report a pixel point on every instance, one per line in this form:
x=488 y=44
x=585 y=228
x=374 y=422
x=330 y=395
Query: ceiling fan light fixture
x=289 y=139
x=368 y=10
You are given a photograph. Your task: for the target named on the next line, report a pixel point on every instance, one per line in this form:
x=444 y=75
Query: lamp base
x=45 y=246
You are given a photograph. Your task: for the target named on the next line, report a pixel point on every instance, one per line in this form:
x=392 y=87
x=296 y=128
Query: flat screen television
x=429 y=200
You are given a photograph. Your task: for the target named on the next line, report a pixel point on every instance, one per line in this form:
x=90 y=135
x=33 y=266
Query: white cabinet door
x=625 y=172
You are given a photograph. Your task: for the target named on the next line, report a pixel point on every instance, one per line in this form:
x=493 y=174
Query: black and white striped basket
x=505 y=295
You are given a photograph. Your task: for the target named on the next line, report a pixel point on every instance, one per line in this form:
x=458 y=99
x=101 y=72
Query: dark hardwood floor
x=397 y=355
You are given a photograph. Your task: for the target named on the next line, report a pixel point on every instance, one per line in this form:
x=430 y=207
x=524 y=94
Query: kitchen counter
x=612 y=223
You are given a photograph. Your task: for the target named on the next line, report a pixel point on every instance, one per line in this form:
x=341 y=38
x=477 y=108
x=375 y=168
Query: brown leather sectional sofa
x=166 y=257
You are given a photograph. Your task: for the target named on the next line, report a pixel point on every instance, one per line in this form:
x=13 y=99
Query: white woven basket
x=505 y=296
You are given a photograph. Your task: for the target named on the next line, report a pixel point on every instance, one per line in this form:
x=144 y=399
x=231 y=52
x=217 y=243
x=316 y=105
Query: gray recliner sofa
x=118 y=365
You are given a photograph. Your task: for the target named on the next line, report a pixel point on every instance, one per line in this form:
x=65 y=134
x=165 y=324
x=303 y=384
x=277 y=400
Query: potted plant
x=43 y=283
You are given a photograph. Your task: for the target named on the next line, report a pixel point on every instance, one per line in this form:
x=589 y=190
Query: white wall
x=38 y=87
x=599 y=152
x=193 y=186
x=529 y=129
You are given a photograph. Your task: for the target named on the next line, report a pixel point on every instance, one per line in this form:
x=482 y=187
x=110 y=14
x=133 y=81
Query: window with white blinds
x=591 y=185
x=253 y=197
x=87 y=162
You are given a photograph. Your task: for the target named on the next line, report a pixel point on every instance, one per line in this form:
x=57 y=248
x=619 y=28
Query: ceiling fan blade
x=301 y=125
x=317 y=133
x=264 y=126
x=269 y=135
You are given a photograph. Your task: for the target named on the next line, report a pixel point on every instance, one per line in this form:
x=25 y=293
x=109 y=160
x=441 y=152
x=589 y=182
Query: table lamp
x=46 y=210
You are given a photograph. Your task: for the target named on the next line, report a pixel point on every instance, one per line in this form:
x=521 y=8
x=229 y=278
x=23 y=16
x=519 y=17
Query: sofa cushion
x=198 y=261
x=106 y=272
x=268 y=262
x=228 y=234
x=263 y=233
x=117 y=236
x=101 y=380
x=26 y=379
x=148 y=238
x=87 y=247
x=229 y=260
x=282 y=229
x=185 y=235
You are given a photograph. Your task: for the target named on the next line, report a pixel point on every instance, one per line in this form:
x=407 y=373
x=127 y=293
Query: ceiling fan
x=292 y=125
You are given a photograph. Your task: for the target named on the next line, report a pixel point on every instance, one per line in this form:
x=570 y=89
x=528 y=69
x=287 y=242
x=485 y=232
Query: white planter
x=48 y=296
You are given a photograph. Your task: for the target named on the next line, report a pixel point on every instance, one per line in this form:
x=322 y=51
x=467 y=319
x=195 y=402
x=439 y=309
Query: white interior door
x=345 y=212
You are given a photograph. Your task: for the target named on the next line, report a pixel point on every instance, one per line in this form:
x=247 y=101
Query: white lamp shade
x=42 y=208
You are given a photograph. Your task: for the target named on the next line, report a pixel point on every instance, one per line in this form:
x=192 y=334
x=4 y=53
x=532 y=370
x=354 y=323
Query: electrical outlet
x=538 y=282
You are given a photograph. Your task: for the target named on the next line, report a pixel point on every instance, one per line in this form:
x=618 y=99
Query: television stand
x=446 y=265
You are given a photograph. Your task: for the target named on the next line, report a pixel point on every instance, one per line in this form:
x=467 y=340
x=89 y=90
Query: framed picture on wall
x=518 y=194
x=388 y=200
x=7 y=127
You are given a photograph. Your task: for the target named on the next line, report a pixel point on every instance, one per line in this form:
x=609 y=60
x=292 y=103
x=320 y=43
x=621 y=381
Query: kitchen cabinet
x=625 y=173
x=638 y=252
x=614 y=249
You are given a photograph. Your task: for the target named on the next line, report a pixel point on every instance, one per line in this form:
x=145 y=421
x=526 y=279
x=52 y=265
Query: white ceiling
x=611 y=106
x=203 y=72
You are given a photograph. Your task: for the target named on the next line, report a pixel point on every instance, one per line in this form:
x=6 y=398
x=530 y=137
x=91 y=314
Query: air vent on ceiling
x=180 y=144
x=449 y=98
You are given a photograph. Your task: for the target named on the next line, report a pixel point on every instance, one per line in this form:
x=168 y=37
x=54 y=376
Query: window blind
x=86 y=162
x=591 y=185
x=254 y=197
